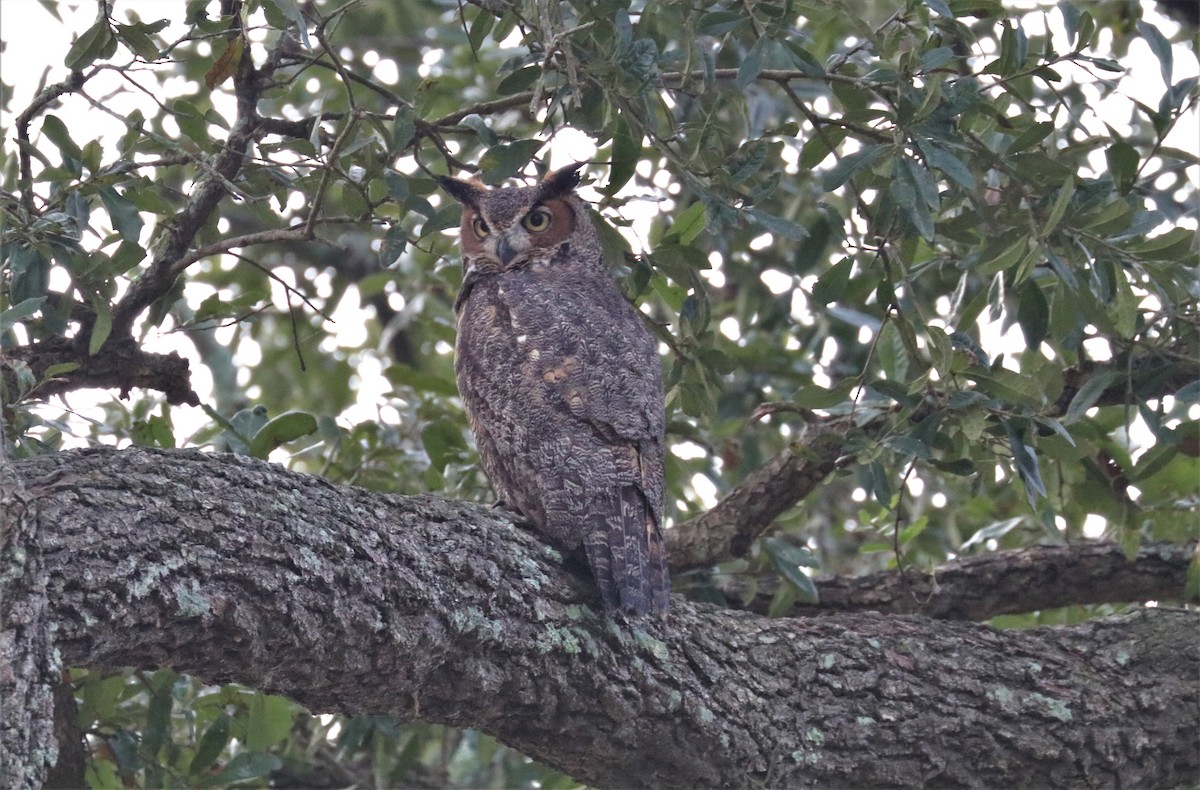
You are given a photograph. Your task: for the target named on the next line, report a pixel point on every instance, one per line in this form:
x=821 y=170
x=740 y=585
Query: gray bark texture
x=29 y=667
x=349 y=601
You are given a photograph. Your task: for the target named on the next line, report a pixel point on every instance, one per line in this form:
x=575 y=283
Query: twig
x=295 y=233
x=39 y=103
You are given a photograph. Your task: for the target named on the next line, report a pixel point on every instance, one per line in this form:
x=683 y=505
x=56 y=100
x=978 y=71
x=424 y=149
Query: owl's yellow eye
x=479 y=228
x=538 y=220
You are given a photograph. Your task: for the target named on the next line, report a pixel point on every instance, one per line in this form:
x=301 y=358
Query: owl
x=562 y=383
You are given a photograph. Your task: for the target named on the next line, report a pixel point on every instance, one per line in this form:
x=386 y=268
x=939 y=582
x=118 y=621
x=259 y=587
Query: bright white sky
x=34 y=41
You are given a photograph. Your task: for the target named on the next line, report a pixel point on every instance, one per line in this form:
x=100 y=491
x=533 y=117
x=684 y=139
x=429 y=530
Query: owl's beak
x=505 y=251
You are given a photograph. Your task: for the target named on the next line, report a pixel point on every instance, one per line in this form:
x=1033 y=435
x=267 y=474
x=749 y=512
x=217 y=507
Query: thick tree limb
x=29 y=667
x=231 y=569
x=120 y=363
x=1007 y=582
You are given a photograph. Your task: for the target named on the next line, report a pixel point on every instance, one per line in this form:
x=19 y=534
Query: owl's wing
x=603 y=368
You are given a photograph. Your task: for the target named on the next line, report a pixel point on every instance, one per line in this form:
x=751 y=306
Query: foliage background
x=957 y=231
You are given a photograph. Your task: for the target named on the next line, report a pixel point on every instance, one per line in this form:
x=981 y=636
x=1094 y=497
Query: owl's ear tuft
x=560 y=182
x=468 y=193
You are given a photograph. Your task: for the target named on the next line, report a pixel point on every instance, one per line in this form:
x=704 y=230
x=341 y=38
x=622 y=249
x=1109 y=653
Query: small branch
x=1006 y=582
x=175 y=238
x=39 y=103
x=1152 y=375
x=728 y=529
x=295 y=233
x=485 y=108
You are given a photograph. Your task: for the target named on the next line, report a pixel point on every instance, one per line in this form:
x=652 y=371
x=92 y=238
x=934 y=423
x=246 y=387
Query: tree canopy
x=924 y=277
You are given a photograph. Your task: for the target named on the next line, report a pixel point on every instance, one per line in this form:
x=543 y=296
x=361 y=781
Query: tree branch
x=1006 y=582
x=746 y=512
x=177 y=237
x=728 y=529
x=29 y=664
x=350 y=601
x=120 y=363
x=39 y=103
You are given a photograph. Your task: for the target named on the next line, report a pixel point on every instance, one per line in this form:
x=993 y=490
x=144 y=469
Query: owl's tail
x=626 y=553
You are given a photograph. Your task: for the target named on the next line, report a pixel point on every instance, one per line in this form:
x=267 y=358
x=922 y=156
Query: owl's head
x=507 y=228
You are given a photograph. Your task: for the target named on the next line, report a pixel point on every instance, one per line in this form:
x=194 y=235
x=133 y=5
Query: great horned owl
x=562 y=383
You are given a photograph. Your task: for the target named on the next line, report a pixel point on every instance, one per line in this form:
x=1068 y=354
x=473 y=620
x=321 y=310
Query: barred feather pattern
x=563 y=388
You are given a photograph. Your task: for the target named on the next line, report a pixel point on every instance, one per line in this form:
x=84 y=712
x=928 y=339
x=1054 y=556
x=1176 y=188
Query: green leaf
x=504 y=160
x=284 y=428
x=960 y=467
x=783 y=600
x=153 y=432
x=518 y=81
x=935 y=58
x=940 y=7
x=103 y=325
x=1007 y=386
x=1122 y=161
x=1031 y=137
x=778 y=225
x=788 y=560
x=1089 y=393
x=993 y=531
x=908 y=447
x=19 y=312
x=687 y=225
x=850 y=164
x=812 y=396
x=212 y=743
x=137 y=38
x=1160 y=47
x=1065 y=193
x=1006 y=258
x=56 y=132
x=244 y=766
x=59 y=369
x=880 y=484
x=747 y=160
x=1033 y=314
x=718 y=23
x=291 y=9
x=1172 y=245
x=404 y=129
x=946 y=161
x=752 y=64
x=481 y=25
x=157 y=732
x=1027 y=463
x=269 y=722
x=124 y=215
x=96 y=42
x=443 y=443
x=626 y=152
x=241 y=427
x=831 y=285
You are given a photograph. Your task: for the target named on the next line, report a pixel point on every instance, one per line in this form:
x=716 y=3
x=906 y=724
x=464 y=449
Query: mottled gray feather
x=563 y=387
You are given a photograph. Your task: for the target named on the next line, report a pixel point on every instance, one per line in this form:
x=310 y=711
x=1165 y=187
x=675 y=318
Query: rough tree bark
x=350 y=601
